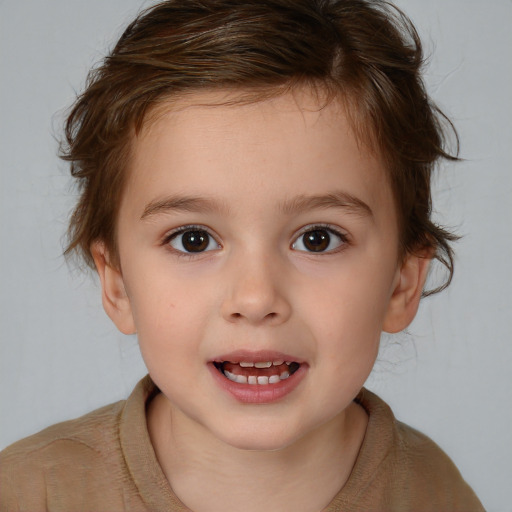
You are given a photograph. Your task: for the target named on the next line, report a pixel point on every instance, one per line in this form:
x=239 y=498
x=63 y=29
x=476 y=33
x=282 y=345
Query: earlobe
x=407 y=291
x=114 y=297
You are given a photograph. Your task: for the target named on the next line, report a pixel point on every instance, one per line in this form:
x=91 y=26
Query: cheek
x=155 y=306
x=170 y=314
x=346 y=311
x=357 y=297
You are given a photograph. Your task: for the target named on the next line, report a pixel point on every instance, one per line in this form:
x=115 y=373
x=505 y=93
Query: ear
x=406 y=296
x=114 y=297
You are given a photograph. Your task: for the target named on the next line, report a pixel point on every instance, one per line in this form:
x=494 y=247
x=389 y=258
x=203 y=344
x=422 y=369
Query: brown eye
x=318 y=240
x=193 y=240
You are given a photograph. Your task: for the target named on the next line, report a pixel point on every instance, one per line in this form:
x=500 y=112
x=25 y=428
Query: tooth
x=241 y=379
x=284 y=375
x=263 y=364
x=277 y=363
x=230 y=376
x=246 y=364
x=252 y=379
x=273 y=379
x=262 y=379
x=288 y=363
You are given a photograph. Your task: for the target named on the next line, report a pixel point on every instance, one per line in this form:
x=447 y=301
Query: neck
x=303 y=477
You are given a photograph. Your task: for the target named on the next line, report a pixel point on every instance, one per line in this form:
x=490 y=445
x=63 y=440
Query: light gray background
x=61 y=357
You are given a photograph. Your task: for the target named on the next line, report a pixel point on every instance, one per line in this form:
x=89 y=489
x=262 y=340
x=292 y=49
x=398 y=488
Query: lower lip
x=257 y=393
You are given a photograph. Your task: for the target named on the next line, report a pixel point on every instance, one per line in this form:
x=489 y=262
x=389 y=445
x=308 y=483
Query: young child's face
x=255 y=233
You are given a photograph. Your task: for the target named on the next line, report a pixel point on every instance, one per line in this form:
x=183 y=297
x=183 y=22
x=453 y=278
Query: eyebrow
x=339 y=199
x=183 y=204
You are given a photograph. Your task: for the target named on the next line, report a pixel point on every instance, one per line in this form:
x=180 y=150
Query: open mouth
x=260 y=373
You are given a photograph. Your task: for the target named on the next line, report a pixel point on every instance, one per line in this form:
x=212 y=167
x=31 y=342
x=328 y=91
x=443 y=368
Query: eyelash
x=343 y=238
x=184 y=229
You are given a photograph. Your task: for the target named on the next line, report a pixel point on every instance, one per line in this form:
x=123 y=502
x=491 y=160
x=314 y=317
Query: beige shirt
x=104 y=461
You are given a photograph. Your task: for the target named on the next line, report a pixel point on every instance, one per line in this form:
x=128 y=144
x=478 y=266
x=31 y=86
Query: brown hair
x=367 y=53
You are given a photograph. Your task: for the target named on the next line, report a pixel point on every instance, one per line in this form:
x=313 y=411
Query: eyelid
x=170 y=235
x=343 y=236
x=188 y=227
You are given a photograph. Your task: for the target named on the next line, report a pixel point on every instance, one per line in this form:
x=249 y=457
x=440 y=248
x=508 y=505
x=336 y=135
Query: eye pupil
x=317 y=240
x=195 y=241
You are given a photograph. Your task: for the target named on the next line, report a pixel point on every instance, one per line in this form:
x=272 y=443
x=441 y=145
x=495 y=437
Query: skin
x=257 y=287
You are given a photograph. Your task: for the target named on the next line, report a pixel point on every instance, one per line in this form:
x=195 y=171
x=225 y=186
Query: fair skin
x=255 y=233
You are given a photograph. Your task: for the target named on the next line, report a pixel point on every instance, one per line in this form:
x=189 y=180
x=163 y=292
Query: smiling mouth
x=257 y=373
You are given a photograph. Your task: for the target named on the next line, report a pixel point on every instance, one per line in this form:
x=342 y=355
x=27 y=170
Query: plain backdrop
x=449 y=375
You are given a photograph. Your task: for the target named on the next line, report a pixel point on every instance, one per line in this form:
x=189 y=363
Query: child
x=255 y=196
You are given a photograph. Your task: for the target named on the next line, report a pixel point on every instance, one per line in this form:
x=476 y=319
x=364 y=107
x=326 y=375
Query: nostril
x=268 y=316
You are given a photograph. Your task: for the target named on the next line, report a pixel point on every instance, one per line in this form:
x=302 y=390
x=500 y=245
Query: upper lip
x=238 y=356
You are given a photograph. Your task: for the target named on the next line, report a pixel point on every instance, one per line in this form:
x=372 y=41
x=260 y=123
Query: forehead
x=216 y=143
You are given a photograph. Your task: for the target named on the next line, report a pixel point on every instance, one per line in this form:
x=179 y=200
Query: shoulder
x=431 y=472
x=85 y=434
x=407 y=467
x=99 y=461
x=61 y=456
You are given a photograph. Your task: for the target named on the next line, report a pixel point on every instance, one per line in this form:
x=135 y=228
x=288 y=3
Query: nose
x=257 y=292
